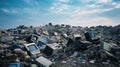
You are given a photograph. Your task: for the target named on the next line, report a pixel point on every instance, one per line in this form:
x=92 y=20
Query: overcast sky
x=72 y=12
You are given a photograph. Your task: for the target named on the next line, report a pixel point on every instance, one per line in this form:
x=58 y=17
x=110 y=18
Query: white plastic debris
x=92 y=61
x=64 y=62
x=105 y=63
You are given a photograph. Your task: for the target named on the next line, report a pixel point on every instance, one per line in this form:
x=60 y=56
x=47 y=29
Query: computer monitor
x=35 y=31
x=89 y=36
x=44 y=39
x=52 y=49
x=15 y=32
x=32 y=48
x=14 y=65
x=40 y=43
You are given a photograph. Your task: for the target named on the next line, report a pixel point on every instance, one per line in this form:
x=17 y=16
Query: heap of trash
x=57 y=46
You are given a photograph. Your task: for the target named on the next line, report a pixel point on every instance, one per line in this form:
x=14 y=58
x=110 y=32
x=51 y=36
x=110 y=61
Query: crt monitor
x=34 y=31
x=89 y=36
x=32 y=47
x=44 y=39
x=40 y=43
x=15 y=33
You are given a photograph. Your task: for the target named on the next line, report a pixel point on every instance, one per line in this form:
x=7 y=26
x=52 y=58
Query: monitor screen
x=32 y=47
x=44 y=39
x=91 y=35
x=14 y=65
x=40 y=43
x=15 y=33
x=35 y=31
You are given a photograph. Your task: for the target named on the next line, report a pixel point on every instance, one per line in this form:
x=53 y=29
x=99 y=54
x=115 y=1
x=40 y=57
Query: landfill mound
x=60 y=46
